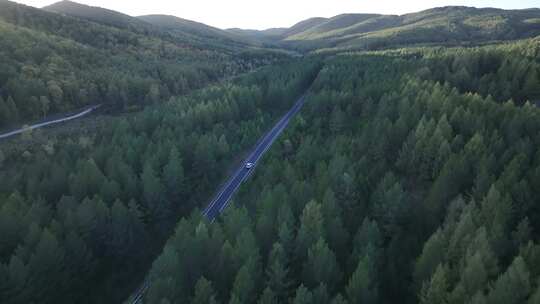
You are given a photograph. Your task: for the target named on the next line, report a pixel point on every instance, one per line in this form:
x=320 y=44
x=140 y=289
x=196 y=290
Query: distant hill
x=166 y=27
x=188 y=27
x=98 y=14
x=72 y=55
x=446 y=25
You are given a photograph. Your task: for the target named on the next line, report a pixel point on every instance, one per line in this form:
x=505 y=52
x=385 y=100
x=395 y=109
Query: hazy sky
x=259 y=14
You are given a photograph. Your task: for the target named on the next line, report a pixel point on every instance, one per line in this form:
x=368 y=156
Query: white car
x=249 y=165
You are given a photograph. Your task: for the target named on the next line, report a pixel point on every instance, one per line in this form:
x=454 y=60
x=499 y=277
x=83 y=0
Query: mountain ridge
x=443 y=25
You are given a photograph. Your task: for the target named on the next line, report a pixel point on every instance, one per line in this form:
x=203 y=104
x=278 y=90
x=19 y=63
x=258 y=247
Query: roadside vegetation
x=411 y=174
x=82 y=218
x=392 y=185
x=52 y=63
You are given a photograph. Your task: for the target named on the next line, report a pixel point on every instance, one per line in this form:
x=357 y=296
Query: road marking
x=267 y=141
x=270 y=137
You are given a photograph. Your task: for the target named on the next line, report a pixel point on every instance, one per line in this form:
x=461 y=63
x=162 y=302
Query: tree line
x=82 y=218
x=51 y=63
x=388 y=187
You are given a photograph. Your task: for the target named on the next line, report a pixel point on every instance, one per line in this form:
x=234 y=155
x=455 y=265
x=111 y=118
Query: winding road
x=50 y=122
x=224 y=195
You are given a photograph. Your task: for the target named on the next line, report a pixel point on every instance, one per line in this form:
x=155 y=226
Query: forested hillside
x=179 y=25
x=52 y=63
x=445 y=25
x=82 y=218
x=394 y=185
x=167 y=27
x=410 y=175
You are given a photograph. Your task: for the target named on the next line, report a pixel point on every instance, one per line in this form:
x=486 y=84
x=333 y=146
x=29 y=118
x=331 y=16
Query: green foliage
x=103 y=57
x=398 y=182
x=321 y=266
x=513 y=286
x=361 y=288
x=436 y=290
x=435 y=186
x=93 y=214
x=452 y=25
x=204 y=293
x=303 y=296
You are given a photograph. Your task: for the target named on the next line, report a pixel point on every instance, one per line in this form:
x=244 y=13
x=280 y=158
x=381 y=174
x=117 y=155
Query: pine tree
x=87 y=181
x=432 y=255
x=5 y=115
x=512 y=287
x=235 y=300
x=474 y=276
x=436 y=290
x=389 y=204
x=45 y=104
x=17 y=276
x=338 y=236
x=223 y=147
x=46 y=268
x=497 y=212
x=320 y=295
x=303 y=296
x=226 y=268
x=339 y=300
x=322 y=267
x=121 y=234
x=368 y=240
x=110 y=190
x=173 y=175
x=268 y=297
x=531 y=87
x=286 y=238
x=337 y=120
x=311 y=228
x=478 y=298
x=480 y=245
x=535 y=297
x=2 y=159
x=153 y=191
x=204 y=293
x=362 y=288
x=164 y=277
x=12 y=110
x=80 y=263
x=277 y=273
x=245 y=283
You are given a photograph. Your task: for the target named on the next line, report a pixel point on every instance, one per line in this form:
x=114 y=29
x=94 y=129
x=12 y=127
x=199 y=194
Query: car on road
x=249 y=165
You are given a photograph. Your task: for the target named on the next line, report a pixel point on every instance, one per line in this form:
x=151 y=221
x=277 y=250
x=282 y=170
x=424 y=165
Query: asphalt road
x=50 y=122
x=223 y=197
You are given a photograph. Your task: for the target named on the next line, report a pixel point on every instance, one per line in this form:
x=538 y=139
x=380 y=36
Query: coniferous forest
x=411 y=174
x=395 y=185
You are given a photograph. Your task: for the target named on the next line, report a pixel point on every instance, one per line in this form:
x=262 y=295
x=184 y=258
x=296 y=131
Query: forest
x=441 y=26
x=424 y=193
x=50 y=63
x=88 y=213
x=410 y=175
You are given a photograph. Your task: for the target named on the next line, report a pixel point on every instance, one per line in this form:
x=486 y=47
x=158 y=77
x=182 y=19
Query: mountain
x=187 y=27
x=53 y=62
x=169 y=28
x=445 y=25
x=98 y=14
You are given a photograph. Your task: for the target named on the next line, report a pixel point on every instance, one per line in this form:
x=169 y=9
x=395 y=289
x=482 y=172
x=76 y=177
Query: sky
x=258 y=14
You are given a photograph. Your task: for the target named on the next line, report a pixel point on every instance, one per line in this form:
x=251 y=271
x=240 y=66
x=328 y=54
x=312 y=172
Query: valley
x=361 y=158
